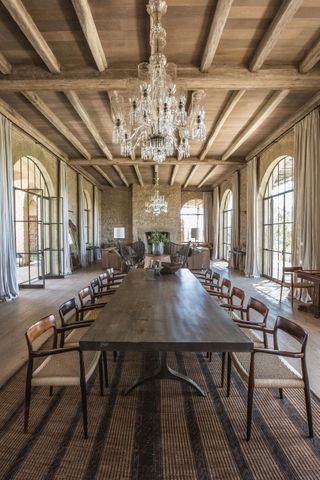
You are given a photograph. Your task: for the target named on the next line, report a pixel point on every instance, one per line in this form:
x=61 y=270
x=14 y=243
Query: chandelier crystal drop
x=156 y=204
x=152 y=113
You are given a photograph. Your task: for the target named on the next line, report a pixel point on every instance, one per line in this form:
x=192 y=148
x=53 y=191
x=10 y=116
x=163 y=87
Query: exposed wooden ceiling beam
x=224 y=177
x=310 y=60
x=220 y=77
x=22 y=124
x=5 y=65
x=105 y=176
x=102 y=161
x=175 y=169
x=313 y=103
x=139 y=176
x=89 y=29
x=119 y=172
x=26 y=127
x=24 y=21
x=189 y=177
x=227 y=109
x=205 y=178
x=83 y=114
x=284 y=15
x=270 y=105
x=219 y=19
x=41 y=106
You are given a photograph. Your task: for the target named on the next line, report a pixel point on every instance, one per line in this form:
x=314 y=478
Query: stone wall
x=116 y=211
x=191 y=195
x=143 y=222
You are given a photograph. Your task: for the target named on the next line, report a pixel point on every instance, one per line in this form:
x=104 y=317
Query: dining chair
x=221 y=291
x=105 y=283
x=60 y=367
x=268 y=368
x=294 y=283
x=214 y=281
x=254 y=314
x=235 y=300
x=98 y=296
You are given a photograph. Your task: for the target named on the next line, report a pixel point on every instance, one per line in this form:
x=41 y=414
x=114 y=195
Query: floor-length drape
x=252 y=263
x=215 y=223
x=8 y=268
x=306 y=237
x=82 y=242
x=63 y=193
x=235 y=217
x=96 y=219
x=207 y=214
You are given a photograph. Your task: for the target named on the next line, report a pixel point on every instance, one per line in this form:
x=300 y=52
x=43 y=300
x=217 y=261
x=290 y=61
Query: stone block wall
x=143 y=222
x=116 y=211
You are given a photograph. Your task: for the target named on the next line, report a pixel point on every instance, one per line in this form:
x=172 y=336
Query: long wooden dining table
x=164 y=313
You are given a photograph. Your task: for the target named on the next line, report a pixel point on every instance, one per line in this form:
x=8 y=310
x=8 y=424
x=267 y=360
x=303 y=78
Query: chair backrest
x=38 y=329
x=85 y=296
x=237 y=294
x=292 y=329
x=178 y=252
x=259 y=307
x=94 y=285
x=226 y=285
x=103 y=279
x=68 y=307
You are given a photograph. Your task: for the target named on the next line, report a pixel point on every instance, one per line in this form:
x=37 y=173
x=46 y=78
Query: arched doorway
x=278 y=204
x=227 y=205
x=38 y=227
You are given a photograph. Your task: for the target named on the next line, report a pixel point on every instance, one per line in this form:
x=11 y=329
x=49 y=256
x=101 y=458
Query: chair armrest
x=233 y=307
x=55 y=351
x=103 y=294
x=281 y=353
x=72 y=326
x=92 y=306
x=248 y=324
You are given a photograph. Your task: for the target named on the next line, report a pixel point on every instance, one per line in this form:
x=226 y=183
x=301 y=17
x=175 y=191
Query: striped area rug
x=161 y=430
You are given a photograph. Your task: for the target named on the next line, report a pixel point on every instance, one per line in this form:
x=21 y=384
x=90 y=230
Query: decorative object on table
x=158 y=240
x=157 y=203
x=170 y=267
x=156 y=120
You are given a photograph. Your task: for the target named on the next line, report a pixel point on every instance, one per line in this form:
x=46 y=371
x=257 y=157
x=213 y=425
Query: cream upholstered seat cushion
x=270 y=371
x=256 y=337
x=64 y=369
x=92 y=314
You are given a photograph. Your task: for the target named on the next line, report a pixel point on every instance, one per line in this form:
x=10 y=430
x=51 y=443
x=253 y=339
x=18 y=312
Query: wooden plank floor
x=16 y=316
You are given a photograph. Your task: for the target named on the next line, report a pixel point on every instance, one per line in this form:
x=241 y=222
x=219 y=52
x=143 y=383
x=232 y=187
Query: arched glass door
x=38 y=229
x=227 y=226
x=278 y=203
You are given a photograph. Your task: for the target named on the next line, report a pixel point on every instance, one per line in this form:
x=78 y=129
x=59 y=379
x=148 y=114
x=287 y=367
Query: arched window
x=278 y=201
x=192 y=221
x=226 y=226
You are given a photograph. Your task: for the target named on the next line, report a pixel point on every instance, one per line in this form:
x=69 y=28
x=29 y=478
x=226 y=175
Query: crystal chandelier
x=151 y=114
x=157 y=204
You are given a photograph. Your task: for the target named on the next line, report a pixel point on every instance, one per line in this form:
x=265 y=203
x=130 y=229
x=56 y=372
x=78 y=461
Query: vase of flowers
x=157 y=240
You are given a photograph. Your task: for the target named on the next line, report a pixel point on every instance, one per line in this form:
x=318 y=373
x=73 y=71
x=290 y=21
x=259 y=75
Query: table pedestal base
x=164 y=371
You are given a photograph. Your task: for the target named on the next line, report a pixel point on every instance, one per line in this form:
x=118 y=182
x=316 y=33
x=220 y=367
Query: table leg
x=164 y=371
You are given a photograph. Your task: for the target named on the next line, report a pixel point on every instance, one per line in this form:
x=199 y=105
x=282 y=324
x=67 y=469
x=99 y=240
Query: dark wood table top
x=170 y=312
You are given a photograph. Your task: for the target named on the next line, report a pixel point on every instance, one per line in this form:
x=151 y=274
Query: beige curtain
x=96 y=221
x=252 y=255
x=63 y=192
x=8 y=268
x=306 y=235
x=215 y=223
x=235 y=223
x=207 y=211
x=82 y=243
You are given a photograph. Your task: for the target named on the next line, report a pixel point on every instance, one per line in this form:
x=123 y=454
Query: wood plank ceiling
x=257 y=61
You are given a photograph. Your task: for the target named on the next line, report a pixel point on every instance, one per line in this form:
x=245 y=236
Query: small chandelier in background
x=156 y=204
x=152 y=114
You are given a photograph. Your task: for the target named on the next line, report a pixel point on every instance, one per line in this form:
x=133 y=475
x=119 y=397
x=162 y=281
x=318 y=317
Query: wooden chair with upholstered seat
x=254 y=314
x=268 y=368
x=235 y=300
x=97 y=295
x=214 y=281
x=222 y=291
x=60 y=367
x=105 y=283
x=294 y=283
